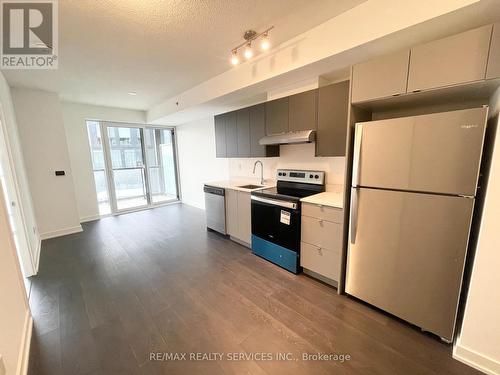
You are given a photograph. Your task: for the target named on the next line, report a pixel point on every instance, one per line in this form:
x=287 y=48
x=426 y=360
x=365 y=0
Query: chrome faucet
x=261 y=171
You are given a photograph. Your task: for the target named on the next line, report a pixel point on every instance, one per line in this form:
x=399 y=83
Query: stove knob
x=284 y=173
x=311 y=176
x=279 y=174
x=316 y=176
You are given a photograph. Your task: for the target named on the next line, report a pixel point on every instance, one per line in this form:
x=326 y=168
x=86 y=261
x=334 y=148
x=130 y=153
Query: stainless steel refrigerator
x=413 y=191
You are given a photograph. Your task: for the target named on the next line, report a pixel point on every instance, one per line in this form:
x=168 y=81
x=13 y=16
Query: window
x=133 y=182
x=98 y=167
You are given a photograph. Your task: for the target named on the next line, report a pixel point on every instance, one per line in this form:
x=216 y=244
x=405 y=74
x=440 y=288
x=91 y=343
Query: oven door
x=276 y=221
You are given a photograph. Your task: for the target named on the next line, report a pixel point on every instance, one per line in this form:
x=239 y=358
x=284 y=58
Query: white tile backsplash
x=299 y=156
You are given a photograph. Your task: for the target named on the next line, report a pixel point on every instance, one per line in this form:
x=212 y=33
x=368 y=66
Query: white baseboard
x=24 y=353
x=61 y=232
x=474 y=359
x=89 y=218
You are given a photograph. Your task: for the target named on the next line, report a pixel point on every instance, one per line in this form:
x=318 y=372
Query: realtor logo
x=29 y=34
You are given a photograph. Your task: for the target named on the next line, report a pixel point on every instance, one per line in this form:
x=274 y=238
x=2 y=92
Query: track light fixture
x=250 y=36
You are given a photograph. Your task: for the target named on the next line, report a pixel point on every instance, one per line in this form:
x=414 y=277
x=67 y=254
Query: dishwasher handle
x=213 y=190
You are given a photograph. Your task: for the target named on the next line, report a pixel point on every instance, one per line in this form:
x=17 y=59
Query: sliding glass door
x=139 y=166
x=160 y=158
x=126 y=157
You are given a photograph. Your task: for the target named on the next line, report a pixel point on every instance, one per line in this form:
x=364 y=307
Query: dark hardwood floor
x=157 y=281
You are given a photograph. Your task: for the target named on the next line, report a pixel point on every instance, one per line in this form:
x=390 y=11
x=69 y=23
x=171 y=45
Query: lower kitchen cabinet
x=231 y=212
x=238 y=215
x=244 y=217
x=321 y=236
x=324 y=262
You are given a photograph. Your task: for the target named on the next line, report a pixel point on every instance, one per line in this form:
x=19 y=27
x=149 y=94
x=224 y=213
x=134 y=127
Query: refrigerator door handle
x=354 y=215
x=358 y=136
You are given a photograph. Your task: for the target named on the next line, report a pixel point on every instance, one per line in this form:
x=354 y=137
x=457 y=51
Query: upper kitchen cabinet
x=380 y=78
x=220 y=135
x=232 y=135
x=243 y=130
x=257 y=119
x=453 y=60
x=493 y=70
x=277 y=116
x=303 y=111
x=333 y=104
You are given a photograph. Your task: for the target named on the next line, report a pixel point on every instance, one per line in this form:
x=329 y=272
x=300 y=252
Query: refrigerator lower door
x=435 y=153
x=407 y=253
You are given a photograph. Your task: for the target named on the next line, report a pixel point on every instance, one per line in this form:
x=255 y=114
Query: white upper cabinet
x=493 y=70
x=380 y=78
x=453 y=60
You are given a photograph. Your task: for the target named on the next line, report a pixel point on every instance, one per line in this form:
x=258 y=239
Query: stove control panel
x=305 y=177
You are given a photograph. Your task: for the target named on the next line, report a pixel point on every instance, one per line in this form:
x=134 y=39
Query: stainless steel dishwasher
x=215 y=208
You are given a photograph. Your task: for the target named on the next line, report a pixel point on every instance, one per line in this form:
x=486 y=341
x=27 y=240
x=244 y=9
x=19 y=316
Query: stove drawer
x=321 y=233
x=322 y=261
x=335 y=215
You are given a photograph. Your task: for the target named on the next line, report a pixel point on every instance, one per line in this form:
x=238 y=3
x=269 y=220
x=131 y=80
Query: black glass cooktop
x=290 y=191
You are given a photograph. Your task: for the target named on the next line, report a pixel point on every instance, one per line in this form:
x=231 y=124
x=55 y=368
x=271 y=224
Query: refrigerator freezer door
x=437 y=153
x=408 y=255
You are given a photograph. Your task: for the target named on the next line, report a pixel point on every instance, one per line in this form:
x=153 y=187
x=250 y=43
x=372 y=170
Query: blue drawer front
x=285 y=258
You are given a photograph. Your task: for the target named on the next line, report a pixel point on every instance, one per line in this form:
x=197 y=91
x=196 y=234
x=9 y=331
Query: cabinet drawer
x=322 y=261
x=335 y=215
x=321 y=233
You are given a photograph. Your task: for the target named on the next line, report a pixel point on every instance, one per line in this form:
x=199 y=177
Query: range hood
x=288 y=138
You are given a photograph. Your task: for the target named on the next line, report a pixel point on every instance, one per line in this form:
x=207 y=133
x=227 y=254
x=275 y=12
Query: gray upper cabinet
x=220 y=135
x=257 y=116
x=303 y=111
x=380 y=78
x=243 y=126
x=277 y=116
x=453 y=60
x=493 y=70
x=231 y=135
x=333 y=104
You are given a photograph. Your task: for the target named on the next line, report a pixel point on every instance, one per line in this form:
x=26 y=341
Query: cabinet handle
x=320 y=251
x=320 y=222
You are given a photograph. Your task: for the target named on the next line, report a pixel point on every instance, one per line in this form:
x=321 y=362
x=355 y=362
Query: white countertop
x=235 y=184
x=328 y=198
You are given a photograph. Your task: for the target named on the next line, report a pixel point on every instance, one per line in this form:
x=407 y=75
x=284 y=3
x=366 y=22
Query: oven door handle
x=275 y=202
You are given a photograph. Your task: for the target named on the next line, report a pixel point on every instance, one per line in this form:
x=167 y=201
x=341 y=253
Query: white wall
x=45 y=150
x=15 y=319
x=24 y=199
x=479 y=341
x=197 y=161
x=74 y=116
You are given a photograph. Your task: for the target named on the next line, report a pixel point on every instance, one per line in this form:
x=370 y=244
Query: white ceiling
x=156 y=48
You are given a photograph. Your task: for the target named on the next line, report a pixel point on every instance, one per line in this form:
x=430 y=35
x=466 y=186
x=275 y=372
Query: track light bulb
x=265 y=44
x=234 y=58
x=248 y=52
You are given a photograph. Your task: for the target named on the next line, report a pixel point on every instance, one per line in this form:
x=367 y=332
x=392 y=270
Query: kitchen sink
x=250 y=187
